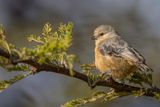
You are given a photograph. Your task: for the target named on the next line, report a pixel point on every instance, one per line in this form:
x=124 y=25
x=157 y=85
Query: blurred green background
x=137 y=21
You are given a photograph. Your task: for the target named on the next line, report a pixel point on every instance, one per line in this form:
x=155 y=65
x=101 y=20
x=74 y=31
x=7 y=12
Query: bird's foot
x=110 y=79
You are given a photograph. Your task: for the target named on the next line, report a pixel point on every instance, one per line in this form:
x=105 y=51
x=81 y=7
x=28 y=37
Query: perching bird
x=114 y=55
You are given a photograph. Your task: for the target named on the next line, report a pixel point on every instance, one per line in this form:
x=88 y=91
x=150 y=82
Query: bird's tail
x=144 y=67
x=147 y=74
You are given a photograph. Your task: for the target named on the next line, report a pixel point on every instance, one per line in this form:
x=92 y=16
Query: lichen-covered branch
x=62 y=70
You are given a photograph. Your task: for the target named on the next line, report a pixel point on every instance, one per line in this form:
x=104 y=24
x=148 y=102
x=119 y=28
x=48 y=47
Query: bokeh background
x=136 y=20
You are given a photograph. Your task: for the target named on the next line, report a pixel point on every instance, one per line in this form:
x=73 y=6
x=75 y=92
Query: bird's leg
x=110 y=80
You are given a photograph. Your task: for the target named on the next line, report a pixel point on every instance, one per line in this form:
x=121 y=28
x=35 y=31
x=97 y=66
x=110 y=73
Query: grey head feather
x=102 y=30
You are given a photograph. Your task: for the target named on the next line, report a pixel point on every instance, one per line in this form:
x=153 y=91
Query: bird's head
x=102 y=31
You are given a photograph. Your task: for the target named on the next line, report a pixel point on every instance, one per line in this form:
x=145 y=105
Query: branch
x=62 y=70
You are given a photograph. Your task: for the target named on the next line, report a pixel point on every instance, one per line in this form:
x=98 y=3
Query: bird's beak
x=93 y=38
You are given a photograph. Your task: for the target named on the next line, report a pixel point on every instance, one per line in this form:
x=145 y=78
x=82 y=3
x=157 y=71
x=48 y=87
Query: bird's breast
x=111 y=63
x=103 y=63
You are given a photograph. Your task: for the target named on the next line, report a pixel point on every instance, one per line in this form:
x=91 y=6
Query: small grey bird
x=114 y=54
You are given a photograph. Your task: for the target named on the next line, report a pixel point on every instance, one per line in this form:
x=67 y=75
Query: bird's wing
x=138 y=59
x=117 y=47
x=113 y=47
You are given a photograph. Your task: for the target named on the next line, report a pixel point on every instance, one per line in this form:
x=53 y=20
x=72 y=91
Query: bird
x=114 y=55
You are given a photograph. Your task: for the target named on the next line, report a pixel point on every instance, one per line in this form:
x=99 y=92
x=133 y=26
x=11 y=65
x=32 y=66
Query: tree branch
x=62 y=70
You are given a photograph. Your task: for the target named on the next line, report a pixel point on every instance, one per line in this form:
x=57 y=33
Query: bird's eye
x=101 y=34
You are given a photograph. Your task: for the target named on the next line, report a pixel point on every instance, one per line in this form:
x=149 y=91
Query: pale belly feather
x=119 y=67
